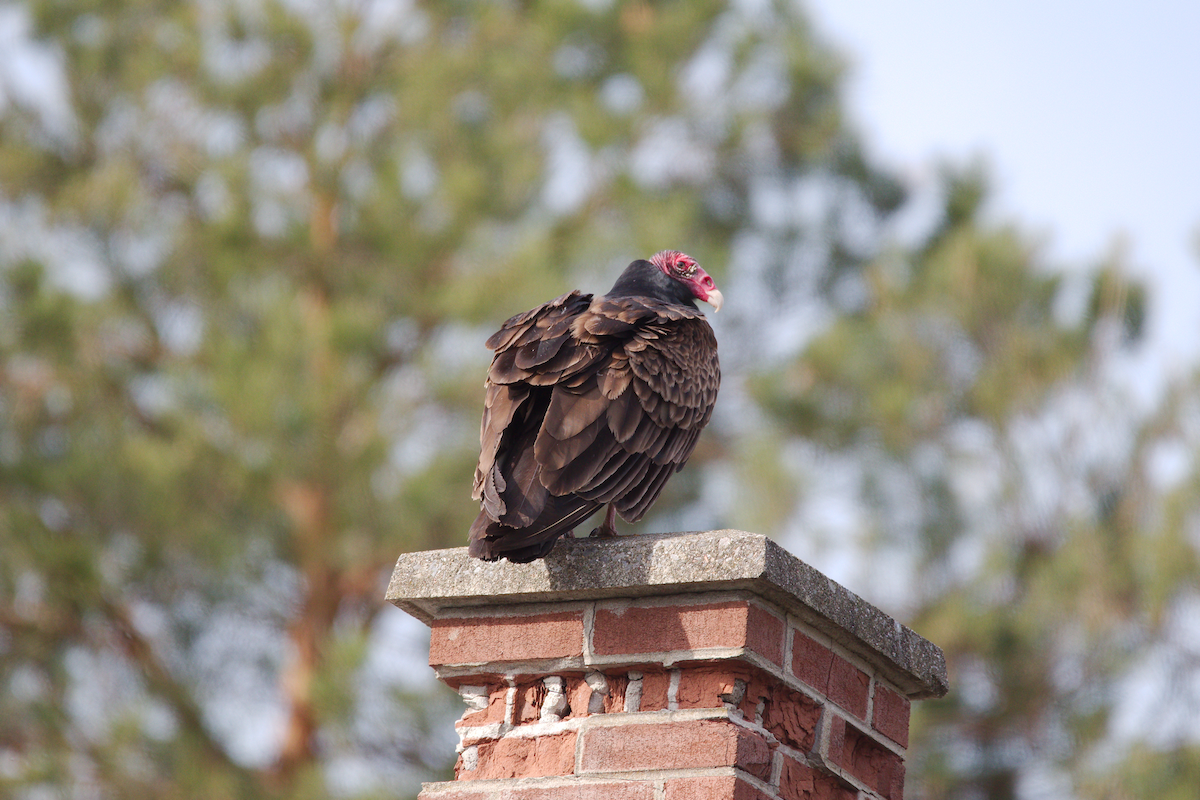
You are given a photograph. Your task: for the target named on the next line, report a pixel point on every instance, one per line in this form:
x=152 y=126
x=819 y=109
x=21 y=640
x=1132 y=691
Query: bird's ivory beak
x=715 y=299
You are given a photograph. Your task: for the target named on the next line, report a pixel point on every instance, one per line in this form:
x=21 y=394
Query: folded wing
x=588 y=402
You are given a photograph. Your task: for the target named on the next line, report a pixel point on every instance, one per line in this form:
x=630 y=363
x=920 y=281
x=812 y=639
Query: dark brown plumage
x=592 y=402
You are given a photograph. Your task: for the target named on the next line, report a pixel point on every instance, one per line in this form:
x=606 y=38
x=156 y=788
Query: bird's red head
x=683 y=268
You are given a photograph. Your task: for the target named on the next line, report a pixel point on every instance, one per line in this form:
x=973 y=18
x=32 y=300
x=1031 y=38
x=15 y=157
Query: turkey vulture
x=593 y=401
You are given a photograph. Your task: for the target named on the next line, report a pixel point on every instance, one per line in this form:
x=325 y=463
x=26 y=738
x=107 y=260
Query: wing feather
x=579 y=474
x=524 y=495
x=539 y=351
x=623 y=415
x=557 y=454
x=633 y=471
x=634 y=505
x=571 y=411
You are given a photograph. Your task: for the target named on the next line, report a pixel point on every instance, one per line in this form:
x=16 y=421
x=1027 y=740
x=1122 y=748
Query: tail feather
x=491 y=540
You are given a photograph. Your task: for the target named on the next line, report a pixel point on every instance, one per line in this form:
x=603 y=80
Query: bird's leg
x=607 y=529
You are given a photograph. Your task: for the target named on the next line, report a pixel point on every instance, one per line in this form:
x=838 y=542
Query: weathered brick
x=828 y=673
x=674 y=745
x=702 y=686
x=655 y=629
x=758 y=689
x=654 y=690
x=579 y=695
x=518 y=757
x=614 y=701
x=791 y=716
x=866 y=759
x=450 y=791
x=799 y=781
x=497 y=703
x=529 y=699
x=479 y=640
x=712 y=787
x=890 y=715
x=615 y=790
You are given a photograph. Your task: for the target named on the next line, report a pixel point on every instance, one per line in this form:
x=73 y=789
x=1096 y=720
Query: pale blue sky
x=1087 y=113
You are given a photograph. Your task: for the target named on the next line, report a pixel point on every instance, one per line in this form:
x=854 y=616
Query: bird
x=591 y=402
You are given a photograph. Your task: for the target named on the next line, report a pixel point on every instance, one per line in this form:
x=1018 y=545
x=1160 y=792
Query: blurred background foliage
x=250 y=250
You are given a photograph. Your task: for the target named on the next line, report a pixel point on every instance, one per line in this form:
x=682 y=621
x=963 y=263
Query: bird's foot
x=608 y=528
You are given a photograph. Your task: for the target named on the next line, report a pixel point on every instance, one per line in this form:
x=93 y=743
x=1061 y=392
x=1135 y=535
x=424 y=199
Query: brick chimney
x=684 y=666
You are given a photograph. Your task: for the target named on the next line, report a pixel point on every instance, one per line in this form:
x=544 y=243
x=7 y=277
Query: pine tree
x=252 y=251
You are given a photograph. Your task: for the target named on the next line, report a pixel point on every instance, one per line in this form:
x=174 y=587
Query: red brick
x=616 y=790
x=865 y=759
x=702 y=686
x=891 y=714
x=479 y=640
x=830 y=674
x=758 y=689
x=579 y=696
x=849 y=687
x=715 y=787
x=516 y=757
x=765 y=634
x=675 y=745
x=449 y=791
x=811 y=661
x=799 y=781
x=614 y=701
x=497 y=703
x=528 y=704
x=654 y=690
x=656 y=629
x=791 y=716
